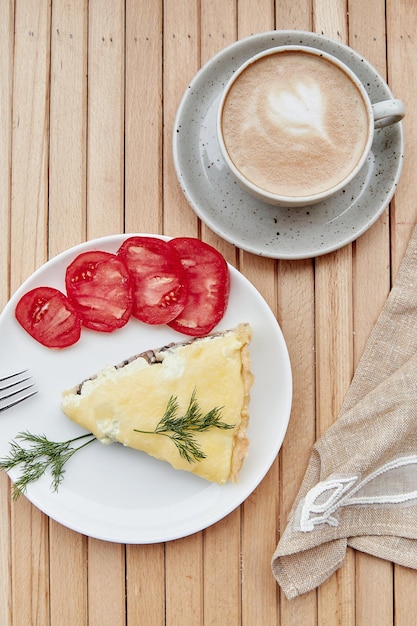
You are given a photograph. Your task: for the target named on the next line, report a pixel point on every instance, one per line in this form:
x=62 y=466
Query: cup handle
x=388 y=112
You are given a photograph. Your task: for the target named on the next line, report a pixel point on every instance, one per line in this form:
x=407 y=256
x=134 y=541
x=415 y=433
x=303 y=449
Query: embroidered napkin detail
x=360 y=486
x=324 y=500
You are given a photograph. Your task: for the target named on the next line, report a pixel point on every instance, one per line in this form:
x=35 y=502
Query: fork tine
x=10 y=385
x=14 y=393
x=28 y=395
x=18 y=390
x=12 y=375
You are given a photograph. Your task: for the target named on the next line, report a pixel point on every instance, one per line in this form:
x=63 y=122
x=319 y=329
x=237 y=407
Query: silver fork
x=13 y=389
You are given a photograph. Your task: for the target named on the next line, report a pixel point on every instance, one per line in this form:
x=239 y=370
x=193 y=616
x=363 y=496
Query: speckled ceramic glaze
x=279 y=232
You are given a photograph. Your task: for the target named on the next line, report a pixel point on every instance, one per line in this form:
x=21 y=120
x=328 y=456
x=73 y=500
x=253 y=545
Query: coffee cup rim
x=281 y=198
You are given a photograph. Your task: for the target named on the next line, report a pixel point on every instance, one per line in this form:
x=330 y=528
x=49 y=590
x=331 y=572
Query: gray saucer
x=277 y=232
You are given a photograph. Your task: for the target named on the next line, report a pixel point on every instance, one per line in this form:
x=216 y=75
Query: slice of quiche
x=185 y=403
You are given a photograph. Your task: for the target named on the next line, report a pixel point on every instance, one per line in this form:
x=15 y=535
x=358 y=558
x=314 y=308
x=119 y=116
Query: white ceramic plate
x=115 y=493
x=282 y=233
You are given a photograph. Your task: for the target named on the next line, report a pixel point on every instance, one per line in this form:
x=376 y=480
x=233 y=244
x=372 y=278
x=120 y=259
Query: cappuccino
x=294 y=123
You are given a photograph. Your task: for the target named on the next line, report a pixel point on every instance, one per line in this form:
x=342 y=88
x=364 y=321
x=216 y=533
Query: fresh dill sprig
x=180 y=429
x=41 y=455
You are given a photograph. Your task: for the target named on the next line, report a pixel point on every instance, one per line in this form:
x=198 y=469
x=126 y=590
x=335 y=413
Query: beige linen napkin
x=360 y=487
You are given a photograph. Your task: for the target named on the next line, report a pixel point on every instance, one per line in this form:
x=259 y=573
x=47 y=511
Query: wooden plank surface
x=89 y=92
x=6 y=98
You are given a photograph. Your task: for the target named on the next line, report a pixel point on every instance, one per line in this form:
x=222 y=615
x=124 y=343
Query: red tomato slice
x=208 y=286
x=49 y=317
x=159 y=284
x=99 y=286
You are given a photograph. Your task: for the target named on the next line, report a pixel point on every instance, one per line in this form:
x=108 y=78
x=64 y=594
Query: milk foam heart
x=294 y=123
x=299 y=111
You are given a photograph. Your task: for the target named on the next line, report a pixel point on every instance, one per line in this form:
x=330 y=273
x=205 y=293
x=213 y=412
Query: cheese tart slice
x=186 y=403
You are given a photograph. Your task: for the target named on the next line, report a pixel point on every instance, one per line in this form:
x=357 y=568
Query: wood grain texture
x=68 y=126
x=145 y=584
x=143 y=164
x=89 y=93
x=5 y=552
x=402 y=77
x=181 y=61
x=68 y=558
x=30 y=138
x=30 y=564
x=106 y=583
x=105 y=140
x=6 y=100
x=6 y=112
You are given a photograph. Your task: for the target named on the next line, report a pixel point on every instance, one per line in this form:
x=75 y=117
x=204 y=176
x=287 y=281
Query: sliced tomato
x=99 y=286
x=49 y=317
x=208 y=286
x=159 y=284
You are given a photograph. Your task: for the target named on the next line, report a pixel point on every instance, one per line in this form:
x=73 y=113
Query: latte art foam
x=294 y=124
x=298 y=112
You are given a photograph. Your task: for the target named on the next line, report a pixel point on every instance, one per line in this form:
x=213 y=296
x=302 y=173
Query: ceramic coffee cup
x=295 y=125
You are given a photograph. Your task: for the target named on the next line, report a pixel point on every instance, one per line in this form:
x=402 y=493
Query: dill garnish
x=41 y=455
x=180 y=429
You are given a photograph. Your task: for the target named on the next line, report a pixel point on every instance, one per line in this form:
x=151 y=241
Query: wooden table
x=88 y=95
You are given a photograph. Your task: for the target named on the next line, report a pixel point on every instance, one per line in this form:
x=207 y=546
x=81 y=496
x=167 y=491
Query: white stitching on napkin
x=329 y=496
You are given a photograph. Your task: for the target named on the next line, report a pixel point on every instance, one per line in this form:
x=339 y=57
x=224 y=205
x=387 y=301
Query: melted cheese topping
x=119 y=400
